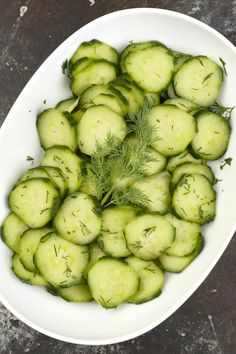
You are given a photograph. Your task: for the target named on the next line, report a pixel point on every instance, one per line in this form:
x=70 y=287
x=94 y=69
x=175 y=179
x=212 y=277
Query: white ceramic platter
x=89 y=323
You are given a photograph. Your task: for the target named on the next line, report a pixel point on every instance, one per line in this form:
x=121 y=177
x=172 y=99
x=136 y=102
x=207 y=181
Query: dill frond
x=225 y=112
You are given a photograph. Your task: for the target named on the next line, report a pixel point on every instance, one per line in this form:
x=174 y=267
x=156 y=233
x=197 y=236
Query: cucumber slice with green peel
x=53 y=173
x=11 y=231
x=28 y=245
x=98 y=72
x=133 y=105
x=67 y=105
x=69 y=163
x=153 y=98
x=77 y=115
x=212 y=138
x=95 y=126
x=95 y=253
x=80 y=65
x=199 y=80
x=108 y=100
x=91 y=92
x=35 y=201
x=56 y=128
x=149 y=235
x=183 y=104
x=77 y=293
x=133 y=47
x=190 y=168
x=173 y=129
x=151 y=68
x=194 y=199
x=186 y=237
x=151 y=280
x=112 y=282
x=180 y=60
x=56 y=176
x=60 y=262
x=176 y=264
x=78 y=219
x=183 y=157
x=112 y=239
x=157 y=190
x=25 y=275
x=138 y=94
x=171 y=92
x=97 y=50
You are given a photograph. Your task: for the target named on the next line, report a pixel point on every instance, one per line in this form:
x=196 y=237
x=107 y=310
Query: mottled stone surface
x=29 y=32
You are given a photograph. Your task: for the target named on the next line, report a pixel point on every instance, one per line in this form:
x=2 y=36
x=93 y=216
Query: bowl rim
x=145 y=329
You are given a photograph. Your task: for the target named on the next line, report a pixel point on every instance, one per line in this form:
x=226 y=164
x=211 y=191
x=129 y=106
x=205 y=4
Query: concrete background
x=29 y=31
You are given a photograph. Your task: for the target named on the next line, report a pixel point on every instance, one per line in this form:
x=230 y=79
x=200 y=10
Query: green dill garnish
x=109 y=231
x=220 y=110
x=207 y=77
x=29 y=158
x=150 y=269
x=108 y=175
x=148 y=231
x=47 y=194
x=137 y=245
x=67 y=271
x=201 y=212
x=84 y=229
x=226 y=161
x=43 y=210
x=55 y=250
x=65 y=66
x=217 y=180
x=223 y=65
x=104 y=302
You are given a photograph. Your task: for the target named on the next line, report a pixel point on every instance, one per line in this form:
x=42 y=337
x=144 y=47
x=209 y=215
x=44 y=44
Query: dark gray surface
x=206 y=323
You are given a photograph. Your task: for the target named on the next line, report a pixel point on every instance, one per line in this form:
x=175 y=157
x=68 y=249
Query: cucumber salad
x=124 y=185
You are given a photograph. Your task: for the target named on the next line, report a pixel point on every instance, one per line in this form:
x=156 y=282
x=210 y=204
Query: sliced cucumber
x=28 y=245
x=153 y=98
x=77 y=115
x=108 y=100
x=78 y=219
x=151 y=280
x=171 y=92
x=185 y=105
x=148 y=236
x=96 y=125
x=151 y=68
x=98 y=72
x=183 y=157
x=67 y=105
x=112 y=282
x=56 y=128
x=133 y=47
x=199 y=80
x=76 y=293
x=190 y=168
x=97 y=50
x=11 y=231
x=56 y=176
x=194 y=199
x=186 y=237
x=25 y=275
x=35 y=201
x=69 y=163
x=91 y=92
x=173 y=129
x=112 y=239
x=60 y=262
x=95 y=252
x=157 y=190
x=80 y=65
x=53 y=173
x=178 y=264
x=212 y=138
x=126 y=92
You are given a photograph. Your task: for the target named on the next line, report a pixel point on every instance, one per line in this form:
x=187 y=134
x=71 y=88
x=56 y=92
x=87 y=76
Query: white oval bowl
x=89 y=323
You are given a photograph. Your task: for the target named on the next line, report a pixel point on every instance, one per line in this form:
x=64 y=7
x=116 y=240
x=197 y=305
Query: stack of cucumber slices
x=123 y=187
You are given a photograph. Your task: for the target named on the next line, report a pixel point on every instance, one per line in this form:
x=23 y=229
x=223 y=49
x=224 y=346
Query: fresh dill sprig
x=226 y=161
x=225 y=112
x=129 y=195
